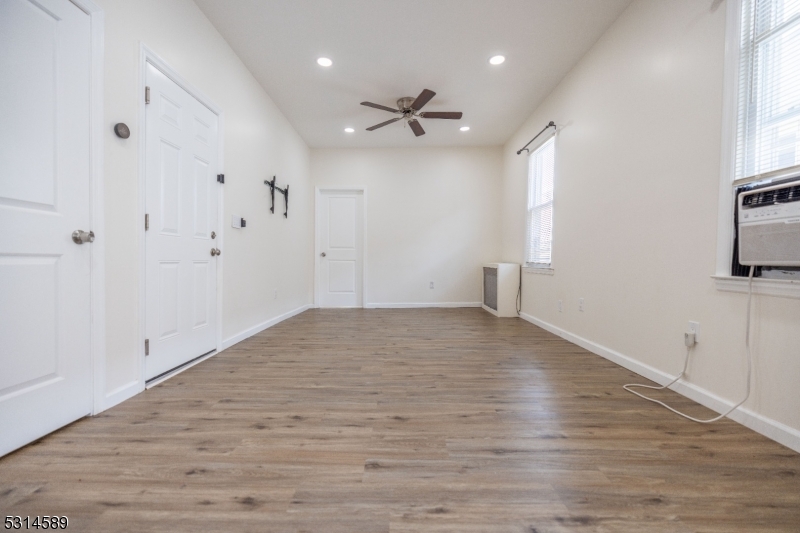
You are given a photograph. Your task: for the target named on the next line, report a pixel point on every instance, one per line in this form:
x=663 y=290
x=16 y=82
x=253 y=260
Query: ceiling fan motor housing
x=405 y=102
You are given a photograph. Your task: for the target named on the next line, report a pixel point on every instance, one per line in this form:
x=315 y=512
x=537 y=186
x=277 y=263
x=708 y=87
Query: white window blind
x=541 y=174
x=768 y=135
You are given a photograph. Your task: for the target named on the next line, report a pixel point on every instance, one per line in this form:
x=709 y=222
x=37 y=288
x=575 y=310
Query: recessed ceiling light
x=324 y=62
x=496 y=60
x=349 y=130
x=464 y=128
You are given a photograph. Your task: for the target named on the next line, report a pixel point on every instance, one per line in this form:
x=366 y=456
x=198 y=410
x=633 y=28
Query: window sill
x=783 y=288
x=538 y=270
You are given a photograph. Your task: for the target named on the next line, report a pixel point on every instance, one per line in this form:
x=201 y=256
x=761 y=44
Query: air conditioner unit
x=500 y=286
x=769 y=225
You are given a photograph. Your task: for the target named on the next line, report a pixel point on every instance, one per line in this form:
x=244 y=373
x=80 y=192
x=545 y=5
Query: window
x=768 y=126
x=541 y=173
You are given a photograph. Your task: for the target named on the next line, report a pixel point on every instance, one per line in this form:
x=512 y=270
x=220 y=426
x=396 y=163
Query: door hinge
x=146 y=222
x=221 y=178
x=147 y=95
x=147 y=346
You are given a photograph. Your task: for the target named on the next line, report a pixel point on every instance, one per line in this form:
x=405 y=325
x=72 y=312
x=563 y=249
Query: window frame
x=542 y=268
x=724 y=281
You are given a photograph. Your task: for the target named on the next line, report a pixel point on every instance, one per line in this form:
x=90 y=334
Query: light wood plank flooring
x=440 y=420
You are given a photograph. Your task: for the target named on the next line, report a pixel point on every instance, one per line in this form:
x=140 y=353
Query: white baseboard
x=120 y=394
x=419 y=305
x=239 y=337
x=788 y=436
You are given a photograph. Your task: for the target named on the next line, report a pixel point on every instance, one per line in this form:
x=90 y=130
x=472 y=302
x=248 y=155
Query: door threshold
x=150 y=383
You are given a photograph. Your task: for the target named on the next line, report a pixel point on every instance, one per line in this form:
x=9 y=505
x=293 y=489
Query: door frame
x=148 y=56
x=318 y=191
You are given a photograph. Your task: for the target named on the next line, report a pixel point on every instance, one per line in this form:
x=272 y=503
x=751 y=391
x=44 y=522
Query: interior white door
x=45 y=192
x=341 y=259
x=181 y=203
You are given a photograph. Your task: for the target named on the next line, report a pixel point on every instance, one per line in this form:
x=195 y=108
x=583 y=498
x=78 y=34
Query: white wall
x=432 y=215
x=638 y=170
x=272 y=252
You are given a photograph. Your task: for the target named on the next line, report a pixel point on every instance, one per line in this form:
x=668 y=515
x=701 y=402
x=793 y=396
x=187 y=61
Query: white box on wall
x=500 y=287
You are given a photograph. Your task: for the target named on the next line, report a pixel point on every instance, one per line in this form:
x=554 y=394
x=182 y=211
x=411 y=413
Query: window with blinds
x=541 y=174
x=768 y=134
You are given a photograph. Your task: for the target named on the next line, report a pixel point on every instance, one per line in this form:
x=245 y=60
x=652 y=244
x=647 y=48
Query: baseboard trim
x=239 y=337
x=772 y=429
x=120 y=394
x=420 y=305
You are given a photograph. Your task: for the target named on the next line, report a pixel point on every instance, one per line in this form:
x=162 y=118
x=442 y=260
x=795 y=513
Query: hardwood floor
x=440 y=420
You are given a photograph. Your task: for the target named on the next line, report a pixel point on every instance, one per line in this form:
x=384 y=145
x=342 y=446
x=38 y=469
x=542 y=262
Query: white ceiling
x=383 y=50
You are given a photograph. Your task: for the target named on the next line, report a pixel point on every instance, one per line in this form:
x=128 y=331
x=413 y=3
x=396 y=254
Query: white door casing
x=45 y=194
x=340 y=255
x=181 y=201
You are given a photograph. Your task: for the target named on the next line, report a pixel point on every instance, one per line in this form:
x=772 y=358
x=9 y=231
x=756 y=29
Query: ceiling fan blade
x=442 y=114
x=416 y=127
x=379 y=106
x=423 y=98
x=382 y=124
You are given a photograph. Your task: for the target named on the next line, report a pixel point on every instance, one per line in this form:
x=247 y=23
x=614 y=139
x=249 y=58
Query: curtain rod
x=550 y=125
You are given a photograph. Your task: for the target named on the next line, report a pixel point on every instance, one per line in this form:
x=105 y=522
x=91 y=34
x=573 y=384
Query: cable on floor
x=686 y=364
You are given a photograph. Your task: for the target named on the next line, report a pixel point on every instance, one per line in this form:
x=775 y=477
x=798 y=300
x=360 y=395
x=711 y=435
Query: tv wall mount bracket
x=285 y=192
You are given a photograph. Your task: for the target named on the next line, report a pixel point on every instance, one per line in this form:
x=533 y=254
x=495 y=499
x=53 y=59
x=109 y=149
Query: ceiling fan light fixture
x=464 y=128
x=349 y=130
x=324 y=62
x=497 y=60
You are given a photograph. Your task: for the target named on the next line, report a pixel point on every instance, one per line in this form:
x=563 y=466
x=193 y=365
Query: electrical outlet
x=580 y=304
x=560 y=306
x=276 y=294
x=431 y=284
x=694 y=327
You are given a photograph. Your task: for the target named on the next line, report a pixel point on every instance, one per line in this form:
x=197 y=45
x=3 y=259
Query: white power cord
x=686 y=364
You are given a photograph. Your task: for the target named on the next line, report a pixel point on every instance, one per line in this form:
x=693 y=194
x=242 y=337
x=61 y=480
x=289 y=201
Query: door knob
x=80 y=236
x=323 y=254
x=215 y=251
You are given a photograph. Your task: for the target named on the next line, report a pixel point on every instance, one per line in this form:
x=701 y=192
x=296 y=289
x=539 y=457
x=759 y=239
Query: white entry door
x=181 y=203
x=341 y=255
x=45 y=192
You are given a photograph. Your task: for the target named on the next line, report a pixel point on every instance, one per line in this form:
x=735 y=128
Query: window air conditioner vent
x=771 y=197
x=769 y=225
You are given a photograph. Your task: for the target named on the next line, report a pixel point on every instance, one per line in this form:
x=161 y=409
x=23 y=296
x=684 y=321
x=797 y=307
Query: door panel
x=181 y=199
x=28 y=39
x=45 y=191
x=341 y=235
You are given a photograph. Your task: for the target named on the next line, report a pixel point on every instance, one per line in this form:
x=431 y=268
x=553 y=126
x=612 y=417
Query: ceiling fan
x=410 y=107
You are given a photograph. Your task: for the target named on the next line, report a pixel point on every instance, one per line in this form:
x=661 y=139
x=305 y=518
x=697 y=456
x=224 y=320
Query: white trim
x=97 y=201
x=730 y=99
x=421 y=305
x=782 y=288
x=249 y=332
x=120 y=394
x=317 y=198
x=772 y=429
x=546 y=271
x=147 y=55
